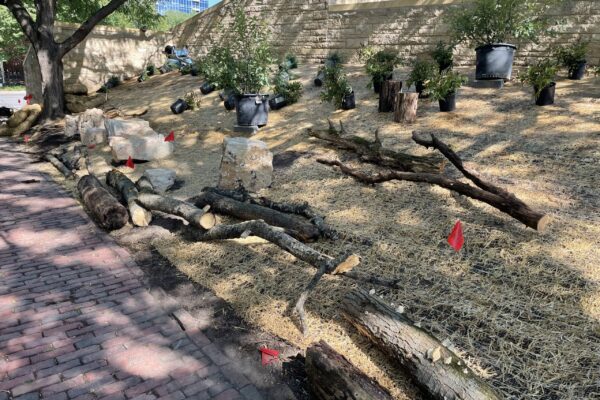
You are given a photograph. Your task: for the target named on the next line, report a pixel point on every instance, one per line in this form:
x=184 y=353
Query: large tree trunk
x=332 y=377
x=103 y=206
x=51 y=68
x=294 y=225
x=440 y=372
x=387 y=96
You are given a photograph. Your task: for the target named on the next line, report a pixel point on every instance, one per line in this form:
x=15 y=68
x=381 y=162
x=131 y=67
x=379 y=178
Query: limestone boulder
x=78 y=104
x=247 y=163
x=71 y=125
x=161 y=179
x=93 y=136
x=126 y=127
x=146 y=148
x=92 y=118
x=77 y=88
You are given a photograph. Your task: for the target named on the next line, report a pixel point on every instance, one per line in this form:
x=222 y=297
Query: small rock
x=77 y=88
x=78 y=104
x=372 y=292
x=400 y=309
x=92 y=136
x=161 y=179
x=247 y=163
x=71 y=125
x=146 y=148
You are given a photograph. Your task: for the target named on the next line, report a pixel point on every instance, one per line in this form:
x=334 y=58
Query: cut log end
x=139 y=215
x=543 y=223
x=347 y=265
x=207 y=220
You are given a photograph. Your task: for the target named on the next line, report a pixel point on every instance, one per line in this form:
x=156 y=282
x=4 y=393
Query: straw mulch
x=522 y=307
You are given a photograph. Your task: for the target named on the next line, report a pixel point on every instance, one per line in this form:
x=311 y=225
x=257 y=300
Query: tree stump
x=332 y=377
x=387 y=95
x=406 y=107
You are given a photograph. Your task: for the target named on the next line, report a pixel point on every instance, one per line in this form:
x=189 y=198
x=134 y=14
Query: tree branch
x=88 y=25
x=28 y=26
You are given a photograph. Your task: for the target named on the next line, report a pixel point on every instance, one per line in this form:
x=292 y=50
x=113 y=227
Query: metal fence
x=12 y=72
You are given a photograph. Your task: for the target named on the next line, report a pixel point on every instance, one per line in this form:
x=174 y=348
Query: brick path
x=76 y=322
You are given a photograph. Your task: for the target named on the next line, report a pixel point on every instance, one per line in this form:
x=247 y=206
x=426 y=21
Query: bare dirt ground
x=522 y=307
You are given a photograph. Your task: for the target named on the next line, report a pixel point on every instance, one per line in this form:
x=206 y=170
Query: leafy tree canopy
x=132 y=14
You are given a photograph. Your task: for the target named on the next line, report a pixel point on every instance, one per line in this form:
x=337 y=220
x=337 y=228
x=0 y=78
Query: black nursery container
x=420 y=87
x=348 y=102
x=320 y=78
x=277 y=102
x=207 y=88
x=578 y=72
x=229 y=102
x=449 y=103
x=252 y=109
x=179 y=106
x=378 y=83
x=546 y=96
x=494 y=61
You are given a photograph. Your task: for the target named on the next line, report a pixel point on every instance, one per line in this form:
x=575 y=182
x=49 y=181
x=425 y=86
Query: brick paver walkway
x=75 y=319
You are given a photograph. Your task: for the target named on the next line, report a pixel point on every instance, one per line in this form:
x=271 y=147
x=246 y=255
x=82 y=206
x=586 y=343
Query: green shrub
x=443 y=54
x=498 y=21
x=422 y=70
x=336 y=85
x=290 y=61
x=185 y=69
x=443 y=84
x=291 y=91
x=192 y=99
x=114 y=81
x=571 y=56
x=379 y=64
x=217 y=67
x=539 y=75
x=333 y=59
x=151 y=70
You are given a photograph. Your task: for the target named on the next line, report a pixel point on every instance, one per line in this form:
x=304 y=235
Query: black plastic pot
x=494 y=61
x=229 y=102
x=162 y=70
x=194 y=71
x=578 y=71
x=179 y=106
x=420 y=87
x=252 y=109
x=207 y=88
x=277 y=102
x=546 y=96
x=449 y=103
x=320 y=78
x=348 y=102
x=444 y=67
x=378 y=83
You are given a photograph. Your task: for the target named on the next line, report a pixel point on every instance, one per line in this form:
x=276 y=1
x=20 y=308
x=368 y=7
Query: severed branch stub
x=483 y=191
x=197 y=217
x=324 y=263
x=373 y=152
x=304 y=209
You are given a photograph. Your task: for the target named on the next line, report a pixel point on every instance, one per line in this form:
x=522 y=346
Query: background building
x=185 y=6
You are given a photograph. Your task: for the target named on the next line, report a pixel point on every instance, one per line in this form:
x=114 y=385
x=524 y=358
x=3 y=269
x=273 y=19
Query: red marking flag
x=268 y=355
x=171 y=137
x=92 y=146
x=456 y=238
x=130 y=163
x=26 y=138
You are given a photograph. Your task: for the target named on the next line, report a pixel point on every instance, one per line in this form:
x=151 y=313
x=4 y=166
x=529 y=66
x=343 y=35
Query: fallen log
x=292 y=224
x=139 y=215
x=144 y=185
x=332 y=377
x=276 y=235
x=104 y=208
x=304 y=209
x=515 y=209
x=373 y=152
x=59 y=166
x=199 y=218
x=435 y=368
x=71 y=158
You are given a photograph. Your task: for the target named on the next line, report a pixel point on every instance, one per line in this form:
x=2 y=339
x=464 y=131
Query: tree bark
x=129 y=193
x=406 y=107
x=197 y=217
x=373 y=152
x=59 y=166
x=51 y=68
x=104 y=208
x=435 y=368
x=515 y=209
x=387 y=97
x=294 y=225
x=332 y=377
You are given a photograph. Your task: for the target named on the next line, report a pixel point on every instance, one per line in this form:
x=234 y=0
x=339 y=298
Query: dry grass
x=522 y=306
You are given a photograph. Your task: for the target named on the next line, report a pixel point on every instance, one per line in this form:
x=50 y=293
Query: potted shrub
x=443 y=87
x=379 y=65
x=247 y=61
x=542 y=77
x=573 y=59
x=422 y=71
x=443 y=55
x=337 y=89
x=331 y=61
x=289 y=61
x=286 y=92
x=151 y=70
x=488 y=26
